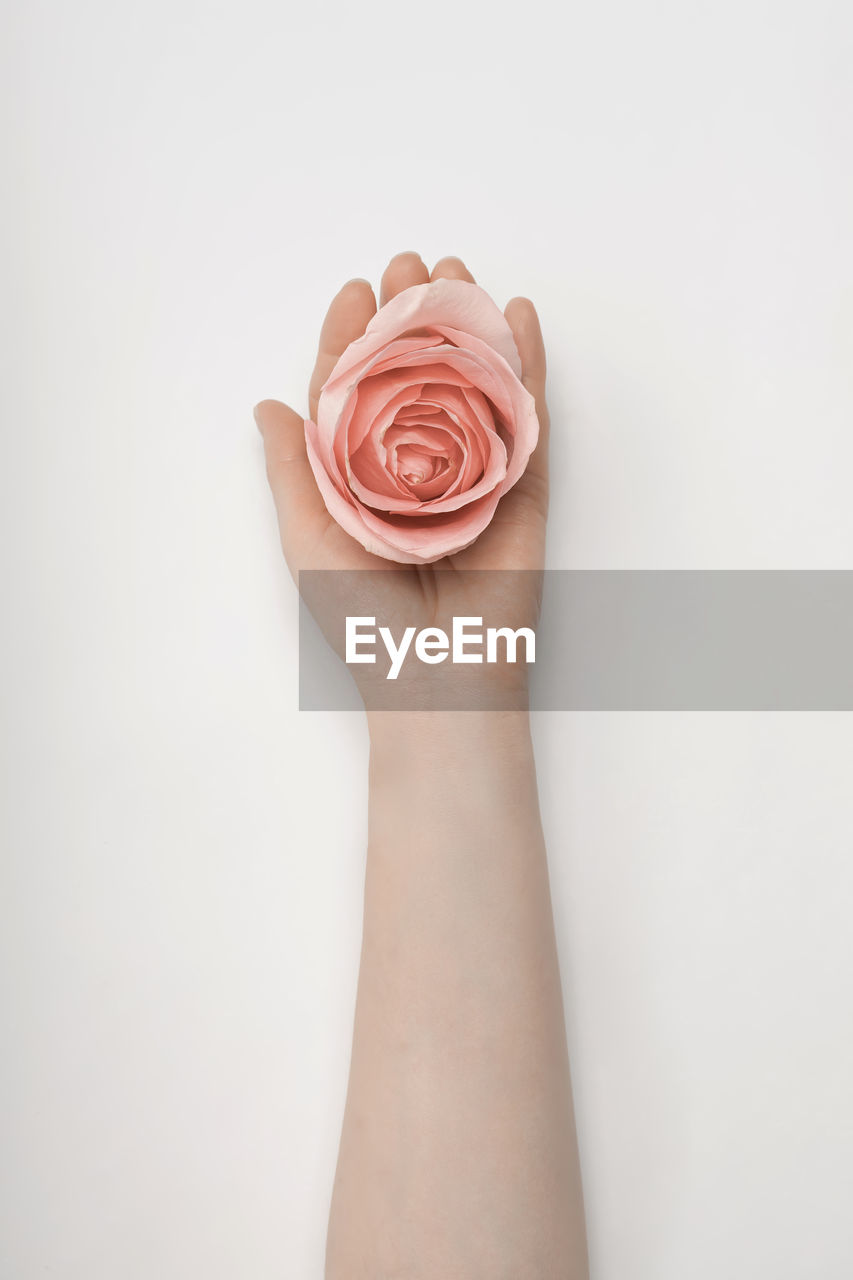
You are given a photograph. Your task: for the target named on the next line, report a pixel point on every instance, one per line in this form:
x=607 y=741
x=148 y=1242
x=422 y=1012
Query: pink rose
x=423 y=424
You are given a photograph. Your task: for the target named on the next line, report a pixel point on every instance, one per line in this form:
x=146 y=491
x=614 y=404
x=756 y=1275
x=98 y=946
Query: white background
x=187 y=184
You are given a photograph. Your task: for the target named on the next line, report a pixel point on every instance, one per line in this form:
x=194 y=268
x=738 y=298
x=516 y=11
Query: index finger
x=350 y=311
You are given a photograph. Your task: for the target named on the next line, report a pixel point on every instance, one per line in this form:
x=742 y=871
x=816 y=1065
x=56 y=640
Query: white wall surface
x=187 y=184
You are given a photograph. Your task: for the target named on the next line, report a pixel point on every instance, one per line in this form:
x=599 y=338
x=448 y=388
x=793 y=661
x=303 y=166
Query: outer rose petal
x=449 y=344
x=438 y=302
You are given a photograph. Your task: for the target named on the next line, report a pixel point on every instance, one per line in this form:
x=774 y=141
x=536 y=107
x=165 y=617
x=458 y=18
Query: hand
x=423 y=595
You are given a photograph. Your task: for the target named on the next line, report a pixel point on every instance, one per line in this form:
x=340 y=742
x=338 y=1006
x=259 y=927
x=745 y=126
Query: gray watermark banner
x=603 y=640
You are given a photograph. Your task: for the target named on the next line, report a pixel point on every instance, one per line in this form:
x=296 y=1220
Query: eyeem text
x=467 y=642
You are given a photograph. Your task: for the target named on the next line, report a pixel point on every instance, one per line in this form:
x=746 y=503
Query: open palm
x=425 y=595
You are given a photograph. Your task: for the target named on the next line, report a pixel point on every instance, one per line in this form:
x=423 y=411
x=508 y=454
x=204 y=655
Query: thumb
x=302 y=515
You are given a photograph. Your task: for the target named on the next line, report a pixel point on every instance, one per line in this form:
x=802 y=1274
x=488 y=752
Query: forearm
x=458 y=1153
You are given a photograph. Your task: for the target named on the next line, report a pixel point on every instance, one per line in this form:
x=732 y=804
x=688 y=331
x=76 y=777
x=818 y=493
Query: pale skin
x=458 y=1156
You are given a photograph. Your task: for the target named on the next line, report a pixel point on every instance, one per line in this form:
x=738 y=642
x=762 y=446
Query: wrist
x=449 y=737
x=452 y=780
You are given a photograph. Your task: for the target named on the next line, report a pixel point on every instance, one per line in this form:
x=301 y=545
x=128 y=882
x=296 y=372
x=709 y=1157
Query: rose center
x=417 y=465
